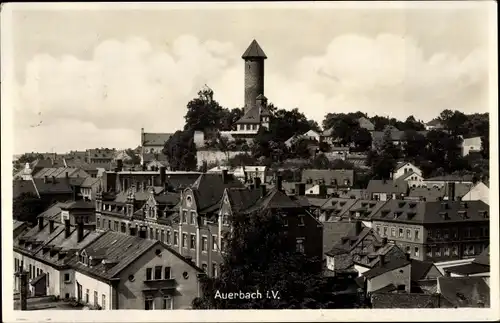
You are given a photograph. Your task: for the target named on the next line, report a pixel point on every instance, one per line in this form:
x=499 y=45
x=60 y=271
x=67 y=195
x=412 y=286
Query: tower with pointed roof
x=254 y=58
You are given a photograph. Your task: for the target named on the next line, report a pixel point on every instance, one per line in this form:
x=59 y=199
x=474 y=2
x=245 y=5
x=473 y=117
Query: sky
x=93 y=78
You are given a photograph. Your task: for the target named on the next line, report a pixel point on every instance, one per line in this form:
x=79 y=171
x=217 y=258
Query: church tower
x=254 y=58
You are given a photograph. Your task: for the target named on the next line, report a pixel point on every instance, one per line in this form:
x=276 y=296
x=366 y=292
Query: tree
x=341 y=164
x=362 y=139
x=26 y=207
x=181 y=151
x=485 y=146
x=134 y=158
x=286 y=124
x=383 y=159
x=320 y=162
x=300 y=148
x=454 y=121
x=229 y=117
x=379 y=122
x=414 y=145
x=261 y=257
x=411 y=124
x=242 y=160
x=203 y=112
x=324 y=147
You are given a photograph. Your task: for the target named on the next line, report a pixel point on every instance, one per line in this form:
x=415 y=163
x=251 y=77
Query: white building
x=311 y=135
x=404 y=168
x=470 y=145
x=480 y=192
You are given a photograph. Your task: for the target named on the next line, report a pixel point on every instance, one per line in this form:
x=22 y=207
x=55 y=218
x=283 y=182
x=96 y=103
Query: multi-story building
x=153 y=142
x=383 y=190
x=438 y=230
x=304 y=230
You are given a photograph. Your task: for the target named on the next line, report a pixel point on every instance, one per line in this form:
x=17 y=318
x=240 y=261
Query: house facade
x=404 y=168
x=471 y=145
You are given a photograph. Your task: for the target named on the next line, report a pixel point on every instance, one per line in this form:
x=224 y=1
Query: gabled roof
x=402 y=211
x=242 y=198
x=90 y=181
x=53 y=212
x=273 y=200
x=59 y=186
x=155 y=139
x=334 y=231
x=386 y=267
x=465 y=291
x=419 y=269
x=253 y=115
x=79 y=205
x=366 y=124
x=435 y=193
x=387 y=186
x=484 y=257
x=17 y=224
x=254 y=51
x=451 y=178
x=20 y=186
x=209 y=187
x=329 y=176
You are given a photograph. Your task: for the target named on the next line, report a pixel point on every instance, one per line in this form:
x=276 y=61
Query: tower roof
x=254 y=51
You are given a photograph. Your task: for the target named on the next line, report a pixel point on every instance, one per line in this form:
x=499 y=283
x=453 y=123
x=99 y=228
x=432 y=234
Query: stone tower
x=254 y=74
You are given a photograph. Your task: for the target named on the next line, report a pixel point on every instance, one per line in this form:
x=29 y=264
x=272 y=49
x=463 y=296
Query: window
x=204 y=267
x=96 y=298
x=87 y=296
x=299 y=245
x=157 y=272
x=157 y=234
x=471 y=250
x=393 y=232
x=285 y=221
x=66 y=277
x=301 y=220
x=149 y=274
x=446 y=251
x=162 y=236
x=417 y=252
x=149 y=303
x=408 y=234
x=168 y=303
x=168 y=236
x=103 y=301
x=401 y=234
x=184 y=240
x=378 y=229
x=454 y=250
x=437 y=252
x=123 y=227
x=184 y=217
x=214 y=242
x=167 y=272
x=98 y=223
x=192 y=241
x=385 y=231
x=438 y=234
x=176 y=238
x=204 y=244
x=223 y=244
x=193 y=218
x=214 y=269
x=116 y=226
x=225 y=219
x=151 y=233
x=417 y=234
x=31 y=271
x=446 y=233
x=428 y=251
x=109 y=224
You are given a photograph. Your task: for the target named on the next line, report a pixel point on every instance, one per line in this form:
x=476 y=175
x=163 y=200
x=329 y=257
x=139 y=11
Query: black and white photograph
x=327 y=161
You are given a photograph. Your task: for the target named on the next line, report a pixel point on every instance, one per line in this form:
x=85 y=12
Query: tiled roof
x=419 y=269
x=208 y=189
x=104 y=153
x=386 y=267
x=404 y=300
x=353 y=193
x=120 y=250
x=17 y=224
x=484 y=257
x=465 y=291
x=60 y=186
x=435 y=193
x=409 y=174
x=387 y=186
x=140 y=195
x=396 y=135
x=181 y=181
x=19 y=187
x=365 y=208
x=78 y=205
x=328 y=176
x=274 y=199
x=242 y=198
x=168 y=198
x=60 y=172
x=254 y=51
x=155 y=139
x=253 y=115
x=366 y=124
x=451 y=178
x=334 y=231
x=90 y=181
x=469 y=269
x=53 y=212
x=432 y=212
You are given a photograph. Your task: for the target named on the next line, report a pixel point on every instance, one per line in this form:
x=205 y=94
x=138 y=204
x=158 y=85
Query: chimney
x=224 y=176
x=67 y=228
x=384 y=241
x=80 y=231
x=451 y=191
x=359 y=227
x=381 y=260
x=408 y=256
x=119 y=165
x=133 y=231
x=263 y=190
x=51 y=226
x=40 y=223
x=45 y=179
x=142 y=233
x=163 y=176
x=300 y=189
x=67 y=175
x=257 y=182
x=279 y=183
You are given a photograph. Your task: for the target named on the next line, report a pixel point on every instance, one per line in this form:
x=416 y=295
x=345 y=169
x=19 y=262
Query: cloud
x=127 y=85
